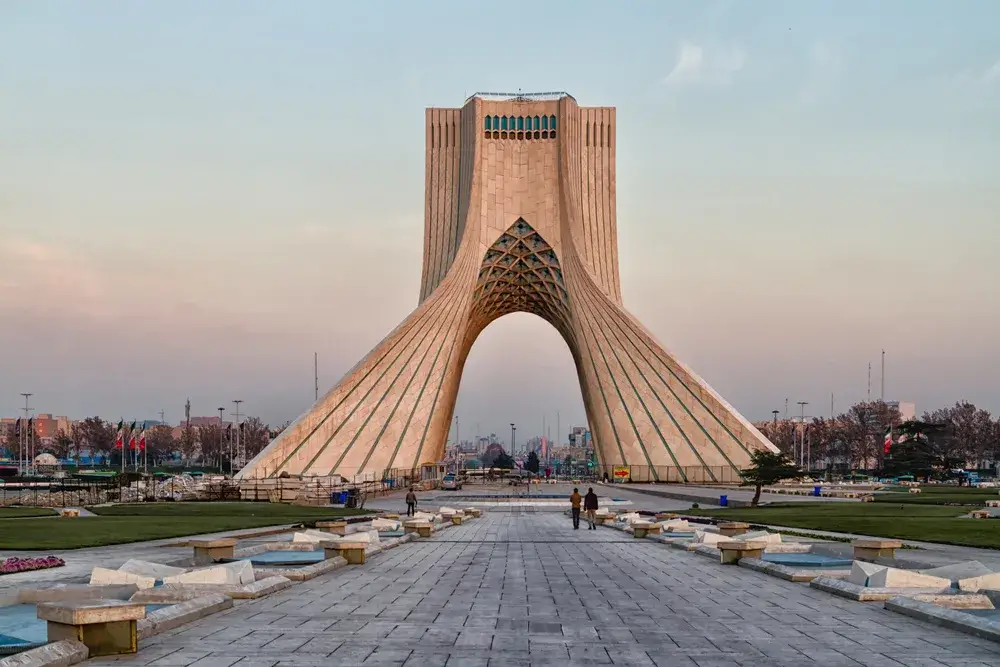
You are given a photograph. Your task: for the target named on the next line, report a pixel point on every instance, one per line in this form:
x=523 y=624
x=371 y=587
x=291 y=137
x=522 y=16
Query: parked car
x=451 y=483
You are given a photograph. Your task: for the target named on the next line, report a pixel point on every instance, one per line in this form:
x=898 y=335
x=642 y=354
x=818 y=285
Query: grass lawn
x=943 y=495
x=152 y=521
x=926 y=523
x=18 y=512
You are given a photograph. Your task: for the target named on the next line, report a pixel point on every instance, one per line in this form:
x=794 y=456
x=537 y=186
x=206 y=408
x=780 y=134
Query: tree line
x=208 y=445
x=856 y=439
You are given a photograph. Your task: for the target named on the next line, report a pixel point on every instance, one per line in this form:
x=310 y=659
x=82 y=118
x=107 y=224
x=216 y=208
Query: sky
x=196 y=197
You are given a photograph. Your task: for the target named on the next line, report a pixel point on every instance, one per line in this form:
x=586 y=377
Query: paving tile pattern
x=525 y=589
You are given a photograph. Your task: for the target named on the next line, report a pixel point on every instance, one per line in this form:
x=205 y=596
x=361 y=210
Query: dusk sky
x=196 y=196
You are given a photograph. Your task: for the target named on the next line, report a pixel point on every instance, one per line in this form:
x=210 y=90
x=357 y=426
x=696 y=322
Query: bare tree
x=211 y=440
x=972 y=432
x=160 y=442
x=96 y=435
x=188 y=444
x=61 y=445
x=254 y=435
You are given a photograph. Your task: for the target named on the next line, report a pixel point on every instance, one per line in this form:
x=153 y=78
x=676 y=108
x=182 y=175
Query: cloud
x=710 y=65
x=826 y=65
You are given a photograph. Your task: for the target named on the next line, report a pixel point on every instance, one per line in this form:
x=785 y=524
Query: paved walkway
x=523 y=588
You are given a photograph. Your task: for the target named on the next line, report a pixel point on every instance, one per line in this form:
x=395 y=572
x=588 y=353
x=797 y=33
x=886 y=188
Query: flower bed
x=14 y=564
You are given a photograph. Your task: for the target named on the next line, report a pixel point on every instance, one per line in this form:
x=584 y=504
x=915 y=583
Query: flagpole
x=122 y=431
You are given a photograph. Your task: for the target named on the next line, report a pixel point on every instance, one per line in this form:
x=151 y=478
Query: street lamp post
x=802 y=425
x=513 y=450
x=236 y=430
x=24 y=460
x=221 y=432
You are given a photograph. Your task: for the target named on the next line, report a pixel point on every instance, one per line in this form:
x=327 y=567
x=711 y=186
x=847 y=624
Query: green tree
x=504 y=460
x=532 y=464
x=767 y=467
x=924 y=449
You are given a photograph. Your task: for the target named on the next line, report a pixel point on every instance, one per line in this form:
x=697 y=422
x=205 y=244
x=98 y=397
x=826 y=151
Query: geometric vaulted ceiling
x=521 y=273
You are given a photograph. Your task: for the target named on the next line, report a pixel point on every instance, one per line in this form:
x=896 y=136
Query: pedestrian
x=411 y=503
x=590 y=507
x=605 y=476
x=574 y=501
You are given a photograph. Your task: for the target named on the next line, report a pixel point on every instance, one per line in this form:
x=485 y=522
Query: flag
x=142 y=438
x=229 y=431
x=120 y=437
x=131 y=437
x=888 y=440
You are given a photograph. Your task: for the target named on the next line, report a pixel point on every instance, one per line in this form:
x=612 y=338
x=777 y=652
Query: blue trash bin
x=817 y=490
x=723 y=501
x=342 y=498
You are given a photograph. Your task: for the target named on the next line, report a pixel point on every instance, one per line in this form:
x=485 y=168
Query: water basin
x=808 y=560
x=287 y=558
x=675 y=534
x=21 y=629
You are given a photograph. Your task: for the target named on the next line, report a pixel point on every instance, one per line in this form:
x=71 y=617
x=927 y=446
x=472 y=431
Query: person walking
x=411 y=503
x=574 y=501
x=590 y=507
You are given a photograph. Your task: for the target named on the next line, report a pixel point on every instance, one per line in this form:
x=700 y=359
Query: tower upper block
x=519 y=215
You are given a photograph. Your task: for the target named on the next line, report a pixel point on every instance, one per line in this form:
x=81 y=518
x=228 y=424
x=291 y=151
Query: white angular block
x=985 y=582
x=893 y=577
x=711 y=539
x=957 y=571
x=423 y=516
x=630 y=517
x=385 y=524
x=102 y=576
x=312 y=536
x=447 y=510
x=762 y=536
x=240 y=572
x=861 y=570
x=148 y=569
x=676 y=525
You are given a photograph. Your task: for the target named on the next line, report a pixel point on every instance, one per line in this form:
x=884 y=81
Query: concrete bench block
x=457 y=519
x=106 y=627
x=641 y=528
x=334 y=527
x=69 y=513
x=207 y=552
x=872 y=549
x=914 y=490
x=733 y=528
x=730 y=552
x=353 y=551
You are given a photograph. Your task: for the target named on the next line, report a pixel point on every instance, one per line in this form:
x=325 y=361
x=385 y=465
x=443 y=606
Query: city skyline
x=799 y=188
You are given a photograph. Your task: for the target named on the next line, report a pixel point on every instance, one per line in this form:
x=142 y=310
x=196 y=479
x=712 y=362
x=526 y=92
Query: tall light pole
x=23 y=454
x=513 y=451
x=802 y=425
x=221 y=432
x=236 y=430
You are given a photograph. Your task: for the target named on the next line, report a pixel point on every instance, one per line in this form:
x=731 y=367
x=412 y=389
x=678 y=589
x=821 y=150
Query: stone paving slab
x=526 y=589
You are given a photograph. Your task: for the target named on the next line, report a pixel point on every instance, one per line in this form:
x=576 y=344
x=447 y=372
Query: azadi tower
x=519 y=217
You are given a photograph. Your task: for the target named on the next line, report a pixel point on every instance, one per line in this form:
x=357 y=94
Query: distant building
x=907 y=411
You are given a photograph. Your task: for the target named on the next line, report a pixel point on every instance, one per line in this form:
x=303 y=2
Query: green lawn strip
x=223 y=509
x=925 y=523
x=972 y=498
x=46 y=534
x=19 y=512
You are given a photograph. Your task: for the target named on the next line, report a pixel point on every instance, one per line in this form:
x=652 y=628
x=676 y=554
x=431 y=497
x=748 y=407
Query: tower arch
x=518 y=227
